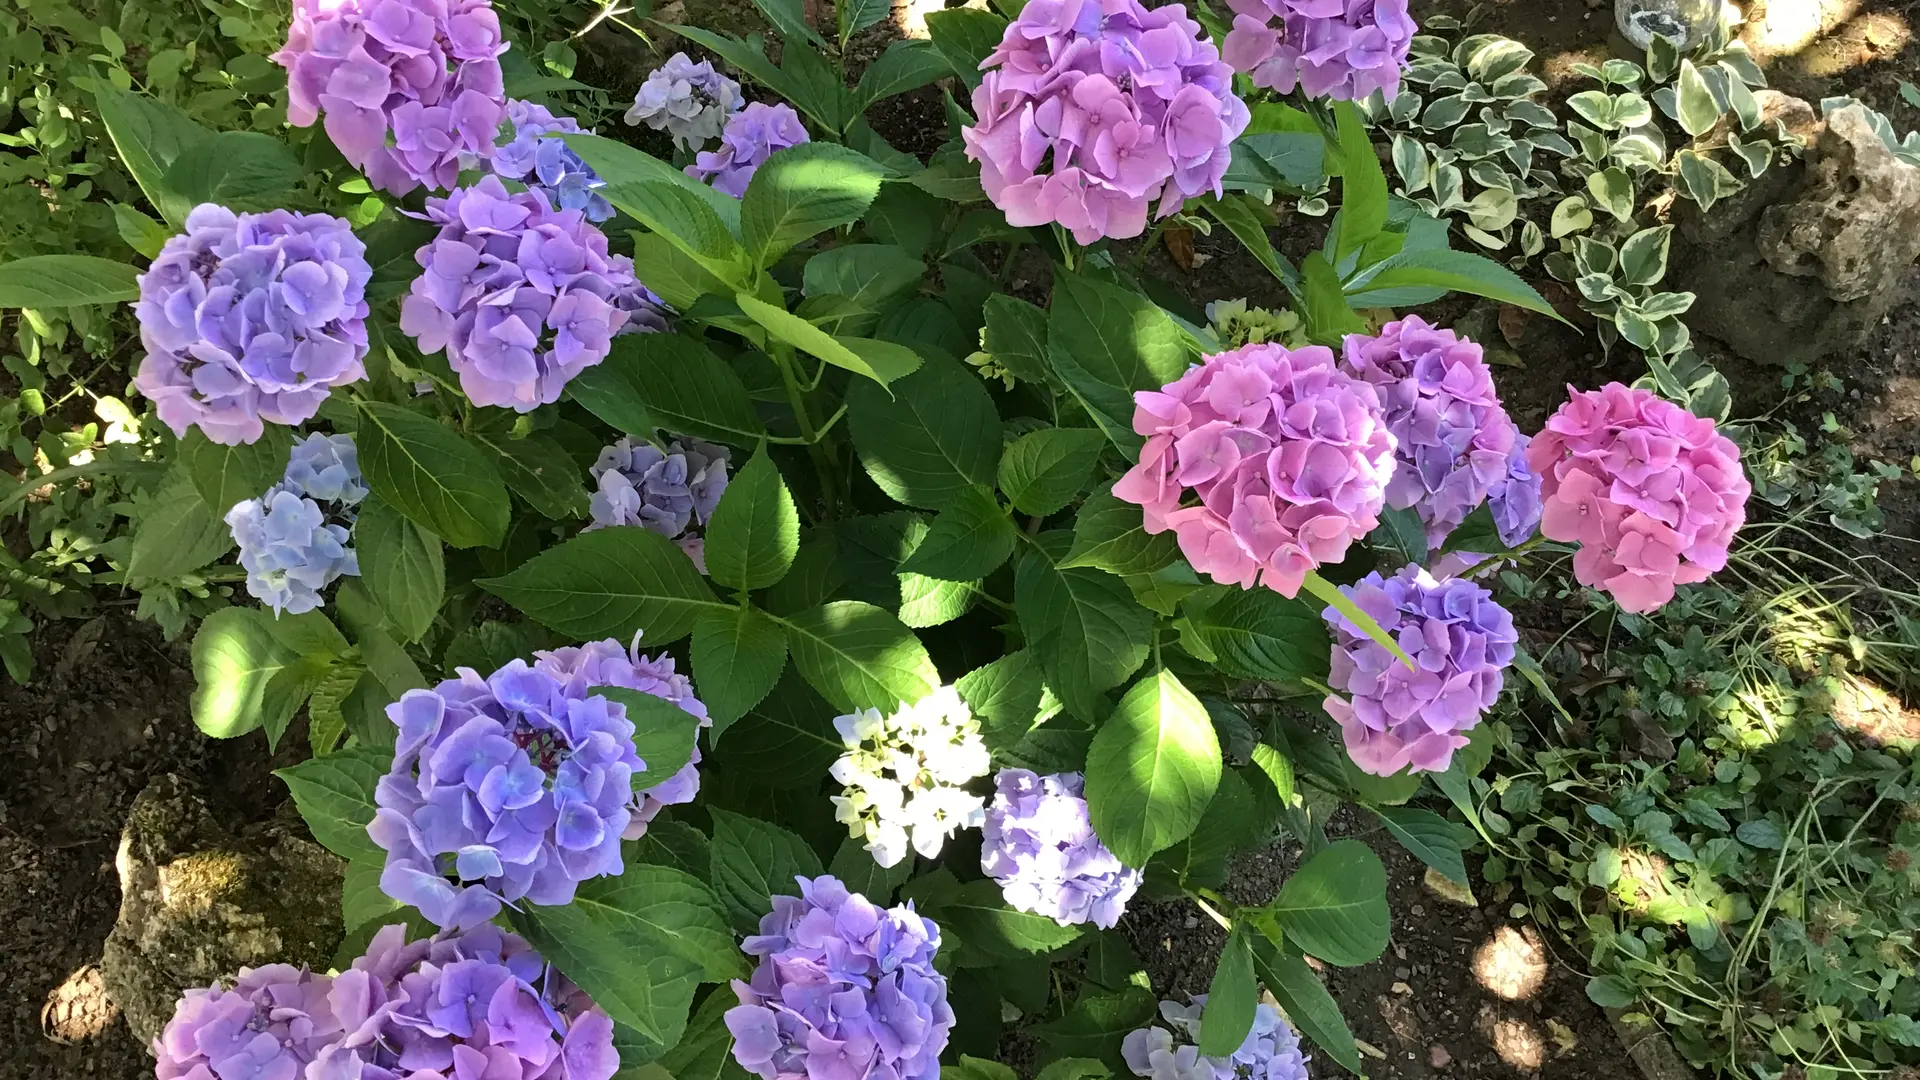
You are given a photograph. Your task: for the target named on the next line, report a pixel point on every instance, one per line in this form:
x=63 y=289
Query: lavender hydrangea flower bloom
x=519 y=785
x=466 y=1006
x=326 y=468
x=1121 y=105
x=1039 y=844
x=274 y=1021
x=538 y=158
x=844 y=991
x=1460 y=642
x=249 y=318
x=752 y=135
x=646 y=313
x=690 y=101
x=1271 y=1050
x=1340 y=49
x=289 y=550
x=1454 y=439
x=426 y=72
x=520 y=295
x=671 y=491
x=1515 y=498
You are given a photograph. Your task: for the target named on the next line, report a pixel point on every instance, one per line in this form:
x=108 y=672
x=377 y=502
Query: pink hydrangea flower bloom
x=1092 y=109
x=425 y=72
x=1652 y=493
x=1288 y=455
x=1341 y=49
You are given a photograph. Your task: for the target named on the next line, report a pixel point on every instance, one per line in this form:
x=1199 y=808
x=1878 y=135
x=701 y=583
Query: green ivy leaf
x=610 y=583
x=1698 y=111
x=1152 y=769
x=425 y=470
x=1335 y=906
x=755 y=531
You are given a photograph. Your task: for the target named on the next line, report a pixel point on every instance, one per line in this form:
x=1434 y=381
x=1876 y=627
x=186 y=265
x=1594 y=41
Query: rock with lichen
x=200 y=899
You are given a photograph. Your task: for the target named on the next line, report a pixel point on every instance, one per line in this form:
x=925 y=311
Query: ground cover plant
x=737 y=630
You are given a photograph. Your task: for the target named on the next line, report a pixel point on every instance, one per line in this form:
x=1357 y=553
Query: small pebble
x=1438 y=1057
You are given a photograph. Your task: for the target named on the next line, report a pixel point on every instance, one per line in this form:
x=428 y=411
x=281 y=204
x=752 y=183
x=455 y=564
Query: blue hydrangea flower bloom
x=671 y=491
x=752 y=135
x=844 y=991
x=1039 y=844
x=1515 y=498
x=1460 y=641
x=538 y=158
x=1271 y=1050
x=326 y=468
x=518 y=786
x=461 y=1006
x=293 y=540
x=690 y=101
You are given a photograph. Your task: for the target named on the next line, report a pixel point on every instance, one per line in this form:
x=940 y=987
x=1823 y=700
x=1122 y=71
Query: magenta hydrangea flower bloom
x=751 y=136
x=461 y=1006
x=1652 y=493
x=1289 y=457
x=1271 y=1050
x=519 y=785
x=521 y=296
x=844 y=991
x=1092 y=109
x=251 y=318
x=1039 y=844
x=272 y=1024
x=1460 y=642
x=1454 y=438
x=1341 y=49
x=425 y=72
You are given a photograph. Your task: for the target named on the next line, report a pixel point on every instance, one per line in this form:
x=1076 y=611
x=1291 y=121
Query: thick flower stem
x=824 y=464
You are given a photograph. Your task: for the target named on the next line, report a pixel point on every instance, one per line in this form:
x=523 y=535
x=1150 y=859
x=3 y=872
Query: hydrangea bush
x=947 y=666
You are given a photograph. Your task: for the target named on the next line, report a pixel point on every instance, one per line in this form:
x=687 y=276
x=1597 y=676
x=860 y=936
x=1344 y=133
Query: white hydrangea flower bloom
x=904 y=775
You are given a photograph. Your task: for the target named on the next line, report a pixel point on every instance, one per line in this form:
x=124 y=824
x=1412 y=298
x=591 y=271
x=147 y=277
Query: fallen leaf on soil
x=1513 y=324
x=1446 y=889
x=1401 y=988
x=1369 y=1049
x=1564 y=1040
x=1180 y=247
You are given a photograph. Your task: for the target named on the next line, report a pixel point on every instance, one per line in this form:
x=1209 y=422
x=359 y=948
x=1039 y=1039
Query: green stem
x=821 y=453
x=1066 y=246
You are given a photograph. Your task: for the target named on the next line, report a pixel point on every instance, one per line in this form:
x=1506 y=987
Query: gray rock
x=1810 y=260
x=200 y=900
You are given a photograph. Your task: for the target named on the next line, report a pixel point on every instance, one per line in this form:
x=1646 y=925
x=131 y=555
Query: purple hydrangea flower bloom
x=519 y=785
x=1271 y=1050
x=1455 y=441
x=461 y=1006
x=249 y=318
x=327 y=468
x=752 y=135
x=426 y=72
x=671 y=492
x=274 y=1021
x=520 y=295
x=538 y=158
x=646 y=313
x=1515 y=497
x=1092 y=109
x=690 y=101
x=1341 y=49
x=844 y=991
x=1039 y=844
x=1460 y=642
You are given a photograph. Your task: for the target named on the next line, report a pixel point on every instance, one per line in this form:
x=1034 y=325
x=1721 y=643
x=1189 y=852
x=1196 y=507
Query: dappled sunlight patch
x=78 y=1008
x=1511 y=963
x=1867 y=709
x=1519 y=1044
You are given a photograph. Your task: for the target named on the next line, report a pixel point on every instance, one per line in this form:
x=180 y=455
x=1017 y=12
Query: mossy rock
x=200 y=900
